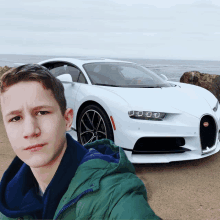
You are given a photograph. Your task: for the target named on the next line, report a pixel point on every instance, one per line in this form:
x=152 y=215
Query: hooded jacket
x=94 y=181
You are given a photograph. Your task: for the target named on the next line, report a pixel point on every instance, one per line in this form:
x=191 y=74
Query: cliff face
x=4 y=69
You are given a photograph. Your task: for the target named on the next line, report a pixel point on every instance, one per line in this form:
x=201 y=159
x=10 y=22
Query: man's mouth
x=35 y=147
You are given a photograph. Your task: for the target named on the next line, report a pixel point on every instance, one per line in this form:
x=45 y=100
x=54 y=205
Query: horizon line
x=111 y=57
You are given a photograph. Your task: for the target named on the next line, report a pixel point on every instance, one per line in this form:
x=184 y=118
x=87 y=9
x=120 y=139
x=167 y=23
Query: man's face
x=34 y=126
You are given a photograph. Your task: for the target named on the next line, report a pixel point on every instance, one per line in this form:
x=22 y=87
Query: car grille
x=208 y=132
x=159 y=145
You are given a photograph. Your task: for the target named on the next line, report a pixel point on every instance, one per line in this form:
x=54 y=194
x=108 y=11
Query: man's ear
x=69 y=118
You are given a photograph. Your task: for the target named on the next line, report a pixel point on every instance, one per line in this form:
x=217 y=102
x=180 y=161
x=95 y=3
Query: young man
x=53 y=176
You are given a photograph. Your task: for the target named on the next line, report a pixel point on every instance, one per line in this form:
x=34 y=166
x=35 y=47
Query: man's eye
x=14 y=118
x=41 y=112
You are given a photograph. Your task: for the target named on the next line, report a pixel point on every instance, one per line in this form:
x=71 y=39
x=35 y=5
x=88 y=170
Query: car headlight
x=216 y=107
x=157 y=116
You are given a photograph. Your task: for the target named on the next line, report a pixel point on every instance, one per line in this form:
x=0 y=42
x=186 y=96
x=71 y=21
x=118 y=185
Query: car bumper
x=182 y=125
x=167 y=158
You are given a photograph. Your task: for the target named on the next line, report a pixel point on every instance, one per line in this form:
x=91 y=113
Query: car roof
x=81 y=61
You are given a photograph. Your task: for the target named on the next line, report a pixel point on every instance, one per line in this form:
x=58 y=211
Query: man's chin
x=36 y=162
x=36 y=165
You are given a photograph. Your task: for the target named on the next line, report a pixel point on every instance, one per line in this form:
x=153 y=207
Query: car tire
x=93 y=124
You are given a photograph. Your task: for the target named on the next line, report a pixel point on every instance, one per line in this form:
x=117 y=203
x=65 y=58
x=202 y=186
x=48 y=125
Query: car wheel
x=93 y=124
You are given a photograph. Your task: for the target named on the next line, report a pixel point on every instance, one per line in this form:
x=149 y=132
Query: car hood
x=166 y=99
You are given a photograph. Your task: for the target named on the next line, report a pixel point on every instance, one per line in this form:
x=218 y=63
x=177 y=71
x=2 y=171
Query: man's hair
x=35 y=72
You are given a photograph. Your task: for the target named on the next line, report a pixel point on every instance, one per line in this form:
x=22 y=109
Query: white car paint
x=185 y=104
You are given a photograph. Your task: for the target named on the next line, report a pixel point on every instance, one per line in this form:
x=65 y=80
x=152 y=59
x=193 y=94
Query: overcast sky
x=163 y=29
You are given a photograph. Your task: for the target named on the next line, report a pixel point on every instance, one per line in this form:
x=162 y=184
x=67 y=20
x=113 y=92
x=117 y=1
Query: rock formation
x=205 y=80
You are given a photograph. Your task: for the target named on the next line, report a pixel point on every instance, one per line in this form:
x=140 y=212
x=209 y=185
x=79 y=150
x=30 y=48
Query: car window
x=123 y=75
x=104 y=73
x=74 y=72
x=57 y=71
x=82 y=78
x=130 y=72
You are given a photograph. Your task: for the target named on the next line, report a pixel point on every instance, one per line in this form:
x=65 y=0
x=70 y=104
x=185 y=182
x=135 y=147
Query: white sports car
x=154 y=120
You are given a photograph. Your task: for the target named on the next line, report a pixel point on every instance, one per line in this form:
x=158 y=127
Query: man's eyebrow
x=14 y=112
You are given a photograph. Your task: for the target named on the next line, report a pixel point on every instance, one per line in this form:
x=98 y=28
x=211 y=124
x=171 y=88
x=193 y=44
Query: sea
x=173 y=69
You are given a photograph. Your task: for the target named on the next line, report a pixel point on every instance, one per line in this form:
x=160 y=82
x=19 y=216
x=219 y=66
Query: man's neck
x=45 y=174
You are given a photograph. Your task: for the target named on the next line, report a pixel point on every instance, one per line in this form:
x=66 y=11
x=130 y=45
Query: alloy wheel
x=92 y=127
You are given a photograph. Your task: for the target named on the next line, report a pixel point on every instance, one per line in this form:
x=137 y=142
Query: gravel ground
x=176 y=191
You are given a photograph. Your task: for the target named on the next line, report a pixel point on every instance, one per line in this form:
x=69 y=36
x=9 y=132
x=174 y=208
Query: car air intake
x=159 y=145
x=208 y=132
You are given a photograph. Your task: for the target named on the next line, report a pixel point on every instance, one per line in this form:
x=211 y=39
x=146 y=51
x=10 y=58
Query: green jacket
x=104 y=190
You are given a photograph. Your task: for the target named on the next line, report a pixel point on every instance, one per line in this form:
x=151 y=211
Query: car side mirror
x=65 y=78
x=164 y=77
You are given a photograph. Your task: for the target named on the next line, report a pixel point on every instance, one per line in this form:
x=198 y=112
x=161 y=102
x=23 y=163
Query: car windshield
x=119 y=74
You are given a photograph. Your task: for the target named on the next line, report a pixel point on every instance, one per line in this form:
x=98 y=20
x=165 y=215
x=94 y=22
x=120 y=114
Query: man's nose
x=30 y=127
